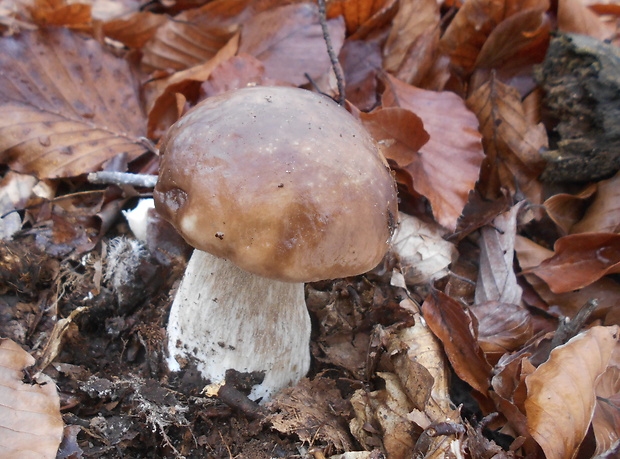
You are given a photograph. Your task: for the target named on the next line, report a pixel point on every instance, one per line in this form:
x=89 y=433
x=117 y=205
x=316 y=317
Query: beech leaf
x=67 y=105
x=561 y=392
x=448 y=165
x=603 y=215
x=30 y=422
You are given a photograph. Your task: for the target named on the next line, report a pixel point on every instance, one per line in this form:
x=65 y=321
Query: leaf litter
x=456 y=345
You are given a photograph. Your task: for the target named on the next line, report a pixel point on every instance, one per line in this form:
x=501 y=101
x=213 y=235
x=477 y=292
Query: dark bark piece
x=581 y=78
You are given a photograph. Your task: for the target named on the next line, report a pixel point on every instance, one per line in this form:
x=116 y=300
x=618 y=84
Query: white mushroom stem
x=225 y=318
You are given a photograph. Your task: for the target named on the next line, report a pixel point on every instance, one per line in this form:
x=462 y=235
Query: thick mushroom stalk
x=223 y=317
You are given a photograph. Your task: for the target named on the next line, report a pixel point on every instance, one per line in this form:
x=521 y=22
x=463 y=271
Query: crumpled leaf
x=424 y=254
x=134 y=30
x=566 y=209
x=580 y=260
x=313 y=410
x=512 y=144
x=561 y=392
x=361 y=16
x=67 y=105
x=603 y=215
x=289 y=42
x=575 y=17
x=606 y=420
x=30 y=422
x=448 y=165
x=497 y=280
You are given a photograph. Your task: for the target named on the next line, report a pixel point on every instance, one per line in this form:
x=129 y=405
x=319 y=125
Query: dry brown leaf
x=603 y=215
x=566 y=209
x=579 y=260
x=357 y=13
x=135 y=30
x=195 y=36
x=411 y=46
x=423 y=253
x=497 y=280
x=605 y=291
x=447 y=167
x=361 y=62
x=511 y=143
x=289 y=42
x=561 y=392
x=448 y=320
x=61 y=13
x=399 y=133
x=237 y=72
x=575 y=17
x=31 y=426
x=67 y=105
x=606 y=420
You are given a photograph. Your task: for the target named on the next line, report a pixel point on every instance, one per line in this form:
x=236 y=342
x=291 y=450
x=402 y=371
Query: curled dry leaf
x=289 y=42
x=580 y=260
x=497 y=280
x=135 y=30
x=67 y=105
x=424 y=254
x=512 y=144
x=603 y=215
x=561 y=392
x=361 y=14
x=30 y=422
x=448 y=320
x=447 y=166
x=575 y=17
x=60 y=13
x=566 y=209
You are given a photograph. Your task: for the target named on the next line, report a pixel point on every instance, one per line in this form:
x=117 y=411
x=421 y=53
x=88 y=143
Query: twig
x=123 y=178
x=330 y=50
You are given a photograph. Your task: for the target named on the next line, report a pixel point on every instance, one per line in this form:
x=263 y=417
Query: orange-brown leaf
x=575 y=17
x=603 y=215
x=67 y=105
x=399 y=132
x=511 y=143
x=452 y=325
x=447 y=167
x=356 y=13
x=606 y=420
x=135 y=30
x=289 y=42
x=566 y=209
x=30 y=420
x=561 y=392
x=580 y=260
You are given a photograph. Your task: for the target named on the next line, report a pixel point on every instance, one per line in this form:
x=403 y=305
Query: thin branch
x=330 y=50
x=123 y=178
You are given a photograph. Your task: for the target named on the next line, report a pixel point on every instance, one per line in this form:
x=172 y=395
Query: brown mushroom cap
x=281 y=181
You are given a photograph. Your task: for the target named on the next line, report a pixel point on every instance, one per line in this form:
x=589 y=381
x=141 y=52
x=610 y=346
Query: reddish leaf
x=289 y=42
x=452 y=325
x=603 y=215
x=135 y=30
x=447 y=167
x=511 y=143
x=580 y=260
x=237 y=72
x=360 y=14
x=361 y=62
x=67 y=105
x=398 y=131
x=561 y=392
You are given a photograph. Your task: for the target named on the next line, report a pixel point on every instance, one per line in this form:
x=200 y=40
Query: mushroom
x=273 y=187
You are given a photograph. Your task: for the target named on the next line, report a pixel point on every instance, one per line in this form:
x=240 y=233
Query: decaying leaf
x=447 y=166
x=561 y=392
x=30 y=421
x=67 y=105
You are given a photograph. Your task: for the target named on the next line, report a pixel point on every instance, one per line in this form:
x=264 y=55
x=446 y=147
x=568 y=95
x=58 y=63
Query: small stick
x=122 y=178
x=330 y=50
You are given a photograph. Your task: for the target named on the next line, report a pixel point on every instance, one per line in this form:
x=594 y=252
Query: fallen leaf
x=195 y=36
x=361 y=63
x=606 y=419
x=235 y=73
x=512 y=145
x=358 y=14
x=603 y=215
x=289 y=42
x=67 y=105
x=567 y=209
x=448 y=320
x=579 y=260
x=497 y=280
x=61 y=13
x=561 y=392
x=135 y=30
x=30 y=422
x=575 y=17
x=447 y=167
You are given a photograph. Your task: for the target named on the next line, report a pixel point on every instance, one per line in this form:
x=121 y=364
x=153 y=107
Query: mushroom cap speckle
x=281 y=181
